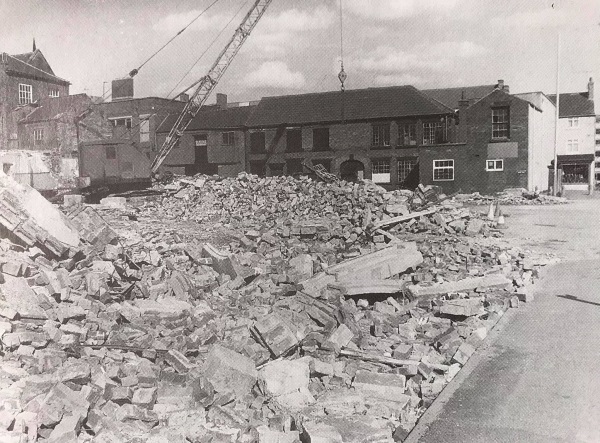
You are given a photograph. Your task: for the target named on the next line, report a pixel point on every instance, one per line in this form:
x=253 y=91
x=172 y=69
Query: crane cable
x=203 y=54
x=135 y=71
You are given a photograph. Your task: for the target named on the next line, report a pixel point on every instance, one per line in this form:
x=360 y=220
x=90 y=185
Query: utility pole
x=554 y=187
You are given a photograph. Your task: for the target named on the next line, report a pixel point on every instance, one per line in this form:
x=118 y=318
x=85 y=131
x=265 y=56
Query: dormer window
x=25 y=94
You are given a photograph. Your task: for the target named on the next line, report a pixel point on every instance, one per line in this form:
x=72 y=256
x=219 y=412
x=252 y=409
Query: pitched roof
x=50 y=108
x=40 y=70
x=574 y=104
x=357 y=104
x=229 y=118
x=451 y=96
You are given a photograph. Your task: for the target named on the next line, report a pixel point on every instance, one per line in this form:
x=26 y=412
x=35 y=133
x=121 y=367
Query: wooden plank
x=388 y=360
x=402 y=218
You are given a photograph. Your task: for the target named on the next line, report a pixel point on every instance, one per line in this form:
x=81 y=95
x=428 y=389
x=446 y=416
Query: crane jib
x=207 y=83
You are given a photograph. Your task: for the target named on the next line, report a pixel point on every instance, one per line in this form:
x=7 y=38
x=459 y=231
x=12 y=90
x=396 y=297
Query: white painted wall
x=584 y=133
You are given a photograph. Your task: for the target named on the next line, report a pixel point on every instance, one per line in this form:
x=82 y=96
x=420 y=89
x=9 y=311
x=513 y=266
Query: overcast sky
x=295 y=48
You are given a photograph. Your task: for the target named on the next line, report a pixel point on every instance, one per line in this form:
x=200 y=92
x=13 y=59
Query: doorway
x=352 y=170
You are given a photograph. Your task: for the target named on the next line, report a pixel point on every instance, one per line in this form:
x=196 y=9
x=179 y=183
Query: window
x=111 y=153
x=405 y=167
x=408 y=134
x=54 y=93
x=257 y=168
x=321 y=139
x=144 y=128
x=228 y=138
x=293 y=140
x=443 y=170
x=435 y=133
x=494 y=165
x=124 y=122
x=200 y=140
x=25 y=94
x=381 y=171
x=381 y=135
x=598 y=141
x=573 y=122
x=38 y=136
x=573 y=145
x=500 y=123
x=257 y=142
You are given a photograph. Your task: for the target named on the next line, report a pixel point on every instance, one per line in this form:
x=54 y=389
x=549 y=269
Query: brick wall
x=470 y=158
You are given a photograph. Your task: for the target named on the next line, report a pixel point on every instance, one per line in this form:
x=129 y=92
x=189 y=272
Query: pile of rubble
x=512 y=197
x=343 y=329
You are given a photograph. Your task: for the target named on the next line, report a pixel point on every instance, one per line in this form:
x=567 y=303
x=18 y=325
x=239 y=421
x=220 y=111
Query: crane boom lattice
x=207 y=83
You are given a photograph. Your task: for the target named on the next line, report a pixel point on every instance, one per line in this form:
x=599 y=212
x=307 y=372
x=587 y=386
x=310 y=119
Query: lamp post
x=555 y=184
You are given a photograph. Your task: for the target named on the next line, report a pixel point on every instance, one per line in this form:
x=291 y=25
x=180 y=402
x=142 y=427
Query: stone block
x=389 y=387
x=339 y=338
x=229 y=371
x=276 y=335
x=463 y=353
x=462 y=307
x=317 y=432
x=144 y=397
x=287 y=382
x=178 y=361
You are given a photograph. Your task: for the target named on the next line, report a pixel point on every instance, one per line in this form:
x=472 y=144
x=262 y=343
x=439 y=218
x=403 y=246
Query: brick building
x=374 y=133
x=214 y=142
x=505 y=141
x=24 y=79
x=577 y=139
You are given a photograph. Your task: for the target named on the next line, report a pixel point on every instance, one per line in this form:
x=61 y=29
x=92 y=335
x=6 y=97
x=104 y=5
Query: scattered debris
x=269 y=309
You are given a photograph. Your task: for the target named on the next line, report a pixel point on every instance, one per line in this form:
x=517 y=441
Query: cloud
x=274 y=34
x=396 y=79
x=388 y=65
x=550 y=18
x=275 y=74
x=396 y=9
x=173 y=23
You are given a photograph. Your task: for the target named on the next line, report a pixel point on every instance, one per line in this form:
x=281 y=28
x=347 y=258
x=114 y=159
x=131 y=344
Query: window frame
x=573 y=122
x=494 y=167
x=379 y=140
x=574 y=142
x=445 y=167
x=414 y=163
x=296 y=136
x=501 y=127
x=387 y=163
x=54 y=93
x=320 y=147
x=38 y=135
x=263 y=147
x=412 y=134
x=144 y=124
x=228 y=138
x=25 y=93
x=127 y=119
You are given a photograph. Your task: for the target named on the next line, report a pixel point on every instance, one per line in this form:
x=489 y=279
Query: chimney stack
x=122 y=88
x=502 y=86
x=591 y=89
x=222 y=101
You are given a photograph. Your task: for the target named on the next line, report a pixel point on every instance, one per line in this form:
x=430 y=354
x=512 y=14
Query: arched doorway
x=352 y=170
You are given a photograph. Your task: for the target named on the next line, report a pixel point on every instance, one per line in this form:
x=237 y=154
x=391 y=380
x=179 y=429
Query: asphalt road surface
x=537 y=379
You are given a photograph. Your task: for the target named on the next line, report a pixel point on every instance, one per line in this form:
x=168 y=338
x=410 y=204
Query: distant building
x=24 y=79
x=577 y=139
x=214 y=142
x=504 y=143
x=374 y=133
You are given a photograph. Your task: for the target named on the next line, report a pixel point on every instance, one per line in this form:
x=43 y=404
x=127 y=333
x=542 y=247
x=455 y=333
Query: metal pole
x=554 y=190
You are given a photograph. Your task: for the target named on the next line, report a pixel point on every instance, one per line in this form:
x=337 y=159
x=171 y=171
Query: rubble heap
x=512 y=197
x=291 y=330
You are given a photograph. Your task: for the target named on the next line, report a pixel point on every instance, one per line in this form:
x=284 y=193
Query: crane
x=207 y=83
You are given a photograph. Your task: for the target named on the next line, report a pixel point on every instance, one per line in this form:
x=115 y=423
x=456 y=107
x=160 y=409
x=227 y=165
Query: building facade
x=24 y=79
x=374 y=133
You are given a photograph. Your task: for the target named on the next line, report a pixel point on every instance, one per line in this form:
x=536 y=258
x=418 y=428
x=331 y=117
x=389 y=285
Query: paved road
x=538 y=379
